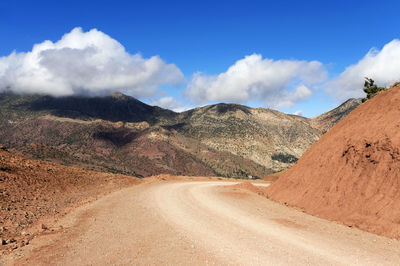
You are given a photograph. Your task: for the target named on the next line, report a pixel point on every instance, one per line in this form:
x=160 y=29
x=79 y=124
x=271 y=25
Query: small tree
x=371 y=89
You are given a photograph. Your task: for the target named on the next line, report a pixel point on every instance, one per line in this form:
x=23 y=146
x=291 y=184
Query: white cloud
x=255 y=78
x=383 y=66
x=85 y=63
x=167 y=103
x=286 y=98
x=298 y=112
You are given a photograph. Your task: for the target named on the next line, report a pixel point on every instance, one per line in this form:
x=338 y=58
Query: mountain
x=114 y=108
x=115 y=134
x=266 y=137
x=352 y=174
x=327 y=120
x=120 y=134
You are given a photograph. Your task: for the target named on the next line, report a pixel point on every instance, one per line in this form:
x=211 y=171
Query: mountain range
x=120 y=134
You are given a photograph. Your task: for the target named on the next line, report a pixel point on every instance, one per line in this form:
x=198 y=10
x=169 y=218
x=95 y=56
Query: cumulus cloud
x=167 y=103
x=383 y=66
x=298 y=112
x=171 y=104
x=278 y=83
x=85 y=63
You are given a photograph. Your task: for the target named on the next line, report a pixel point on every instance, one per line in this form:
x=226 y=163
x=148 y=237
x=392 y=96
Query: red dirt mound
x=36 y=192
x=248 y=186
x=352 y=174
x=273 y=177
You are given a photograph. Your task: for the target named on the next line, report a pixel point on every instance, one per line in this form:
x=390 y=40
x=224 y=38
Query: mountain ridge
x=327 y=120
x=120 y=134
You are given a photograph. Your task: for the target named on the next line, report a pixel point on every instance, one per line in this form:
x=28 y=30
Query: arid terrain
x=352 y=174
x=180 y=222
x=64 y=215
x=36 y=193
x=119 y=134
x=199 y=133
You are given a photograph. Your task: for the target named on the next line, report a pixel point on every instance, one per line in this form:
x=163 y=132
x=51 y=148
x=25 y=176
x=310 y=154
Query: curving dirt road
x=202 y=222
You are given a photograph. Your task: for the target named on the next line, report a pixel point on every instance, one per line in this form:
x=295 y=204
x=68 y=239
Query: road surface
x=200 y=223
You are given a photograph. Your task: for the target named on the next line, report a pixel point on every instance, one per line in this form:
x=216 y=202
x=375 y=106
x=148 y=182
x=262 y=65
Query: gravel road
x=201 y=222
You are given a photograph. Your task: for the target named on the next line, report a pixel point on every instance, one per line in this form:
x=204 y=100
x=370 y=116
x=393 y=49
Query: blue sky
x=212 y=36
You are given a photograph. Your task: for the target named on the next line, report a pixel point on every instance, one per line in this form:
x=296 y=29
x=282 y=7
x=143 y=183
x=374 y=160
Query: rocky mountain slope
x=352 y=174
x=327 y=120
x=120 y=134
x=115 y=134
x=266 y=137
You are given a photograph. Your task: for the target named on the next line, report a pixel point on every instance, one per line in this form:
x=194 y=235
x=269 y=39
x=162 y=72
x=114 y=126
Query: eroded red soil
x=35 y=193
x=352 y=174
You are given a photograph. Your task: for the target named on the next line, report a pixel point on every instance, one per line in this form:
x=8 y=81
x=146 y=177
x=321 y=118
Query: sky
x=302 y=57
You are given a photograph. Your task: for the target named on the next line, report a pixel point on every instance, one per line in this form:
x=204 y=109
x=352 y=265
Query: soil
x=34 y=194
x=181 y=222
x=273 y=177
x=352 y=174
x=248 y=186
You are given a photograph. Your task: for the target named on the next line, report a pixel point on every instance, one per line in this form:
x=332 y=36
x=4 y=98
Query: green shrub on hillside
x=371 y=89
x=284 y=158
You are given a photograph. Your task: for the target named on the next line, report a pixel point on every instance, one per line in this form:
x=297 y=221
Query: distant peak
x=231 y=107
x=119 y=95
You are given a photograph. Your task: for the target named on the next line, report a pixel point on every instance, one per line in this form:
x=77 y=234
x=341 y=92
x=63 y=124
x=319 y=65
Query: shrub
x=284 y=158
x=371 y=89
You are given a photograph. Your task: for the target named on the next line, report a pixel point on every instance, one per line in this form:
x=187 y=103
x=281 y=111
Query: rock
x=44 y=227
x=2 y=147
x=24 y=233
x=24 y=243
x=3 y=242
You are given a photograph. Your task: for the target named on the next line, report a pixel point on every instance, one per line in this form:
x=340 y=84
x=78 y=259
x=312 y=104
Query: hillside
x=120 y=134
x=35 y=192
x=352 y=174
x=117 y=134
x=267 y=137
x=327 y=120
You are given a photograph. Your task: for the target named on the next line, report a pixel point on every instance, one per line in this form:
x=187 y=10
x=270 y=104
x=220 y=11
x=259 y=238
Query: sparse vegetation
x=284 y=158
x=395 y=84
x=371 y=89
x=223 y=140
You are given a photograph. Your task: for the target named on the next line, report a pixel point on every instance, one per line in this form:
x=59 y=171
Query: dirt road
x=205 y=222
